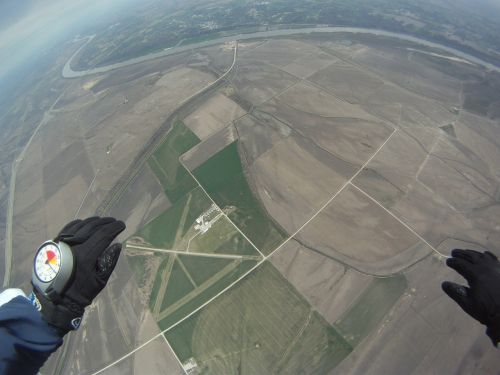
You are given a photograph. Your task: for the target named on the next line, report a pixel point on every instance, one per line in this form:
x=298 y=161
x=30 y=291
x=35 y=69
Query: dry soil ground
x=364 y=155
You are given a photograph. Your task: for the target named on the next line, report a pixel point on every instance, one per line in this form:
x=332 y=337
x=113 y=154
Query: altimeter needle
x=47 y=262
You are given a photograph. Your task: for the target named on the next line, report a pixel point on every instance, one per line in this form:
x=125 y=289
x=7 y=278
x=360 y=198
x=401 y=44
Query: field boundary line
x=215 y=297
x=136 y=165
x=12 y=190
x=196 y=292
x=155 y=337
x=175 y=355
x=293 y=342
x=128 y=354
x=399 y=220
x=183 y=319
x=334 y=195
x=86 y=194
x=265 y=258
x=157 y=163
x=427 y=157
x=223 y=213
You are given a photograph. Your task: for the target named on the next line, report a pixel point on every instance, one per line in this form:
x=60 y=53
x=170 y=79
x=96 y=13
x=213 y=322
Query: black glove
x=481 y=299
x=95 y=260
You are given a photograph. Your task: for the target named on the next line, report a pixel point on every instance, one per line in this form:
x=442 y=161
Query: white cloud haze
x=44 y=23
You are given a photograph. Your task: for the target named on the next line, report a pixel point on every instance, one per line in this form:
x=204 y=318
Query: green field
x=175 y=229
x=212 y=275
x=153 y=294
x=370 y=308
x=201 y=269
x=174 y=178
x=167 y=230
x=261 y=326
x=223 y=238
x=182 y=335
x=223 y=178
x=178 y=286
x=319 y=337
x=174 y=285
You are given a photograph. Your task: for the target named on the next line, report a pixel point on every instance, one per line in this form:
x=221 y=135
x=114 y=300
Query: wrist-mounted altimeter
x=71 y=270
x=53 y=269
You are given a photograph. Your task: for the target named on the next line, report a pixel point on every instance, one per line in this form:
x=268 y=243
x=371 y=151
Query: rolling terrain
x=289 y=203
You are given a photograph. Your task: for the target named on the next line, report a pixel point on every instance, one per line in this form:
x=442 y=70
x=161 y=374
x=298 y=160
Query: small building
x=190 y=366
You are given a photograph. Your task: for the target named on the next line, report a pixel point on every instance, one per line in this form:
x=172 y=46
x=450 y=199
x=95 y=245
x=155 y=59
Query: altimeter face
x=48 y=262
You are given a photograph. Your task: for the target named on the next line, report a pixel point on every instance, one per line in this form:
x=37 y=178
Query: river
x=68 y=72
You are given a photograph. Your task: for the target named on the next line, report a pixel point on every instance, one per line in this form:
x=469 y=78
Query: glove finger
x=459 y=294
x=86 y=231
x=69 y=236
x=102 y=238
x=471 y=256
x=68 y=228
x=490 y=255
x=463 y=267
x=66 y=231
x=107 y=261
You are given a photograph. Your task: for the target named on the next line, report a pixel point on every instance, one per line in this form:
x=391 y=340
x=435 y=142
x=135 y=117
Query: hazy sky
x=41 y=23
x=37 y=23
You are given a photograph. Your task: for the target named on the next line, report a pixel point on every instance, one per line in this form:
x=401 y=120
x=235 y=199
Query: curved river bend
x=68 y=72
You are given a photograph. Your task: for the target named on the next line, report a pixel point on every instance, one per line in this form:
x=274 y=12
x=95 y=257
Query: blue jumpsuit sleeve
x=26 y=341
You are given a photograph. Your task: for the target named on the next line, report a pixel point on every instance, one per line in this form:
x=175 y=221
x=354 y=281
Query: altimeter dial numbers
x=48 y=263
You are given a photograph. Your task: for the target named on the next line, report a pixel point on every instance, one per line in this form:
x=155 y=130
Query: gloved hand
x=481 y=299
x=95 y=260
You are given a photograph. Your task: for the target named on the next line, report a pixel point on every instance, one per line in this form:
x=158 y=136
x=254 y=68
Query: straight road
x=128 y=177
x=12 y=190
x=155 y=141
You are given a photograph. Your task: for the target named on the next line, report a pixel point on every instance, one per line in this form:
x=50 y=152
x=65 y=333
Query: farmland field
x=175 y=284
x=352 y=163
x=370 y=308
x=261 y=326
x=169 y=229
x=222 y=176
x=165 y=161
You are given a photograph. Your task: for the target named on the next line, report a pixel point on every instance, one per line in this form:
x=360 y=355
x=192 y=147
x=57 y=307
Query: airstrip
x=289 y=204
